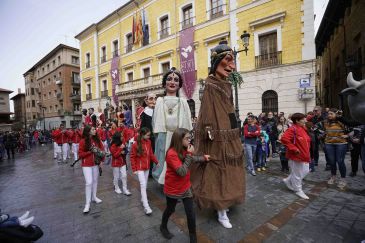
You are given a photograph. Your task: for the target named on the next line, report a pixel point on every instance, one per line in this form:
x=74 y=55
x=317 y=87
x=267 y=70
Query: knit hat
x=217 y=54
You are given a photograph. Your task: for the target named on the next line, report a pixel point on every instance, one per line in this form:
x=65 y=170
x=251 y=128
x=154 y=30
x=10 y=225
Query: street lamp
x=245 y=37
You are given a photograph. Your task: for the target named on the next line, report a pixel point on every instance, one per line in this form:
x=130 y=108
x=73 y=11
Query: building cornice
x=267 y=20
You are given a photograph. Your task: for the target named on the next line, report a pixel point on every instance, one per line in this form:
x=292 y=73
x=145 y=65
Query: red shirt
x=76 y=136
x=86 y=155
x=117 y=158
x=60 y=137
x=101 y=133
x=297 y=141
x=142 y=162
x=175 y=184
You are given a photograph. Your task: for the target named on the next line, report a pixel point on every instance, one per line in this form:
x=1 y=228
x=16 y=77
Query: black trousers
x=12 y=149
x=355 y=154
x=189 y=211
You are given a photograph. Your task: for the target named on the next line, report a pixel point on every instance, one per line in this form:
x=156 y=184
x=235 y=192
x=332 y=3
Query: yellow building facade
x=281 y=50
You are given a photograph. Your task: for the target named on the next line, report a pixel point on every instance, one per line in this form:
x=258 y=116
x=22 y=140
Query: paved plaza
x=54 y=194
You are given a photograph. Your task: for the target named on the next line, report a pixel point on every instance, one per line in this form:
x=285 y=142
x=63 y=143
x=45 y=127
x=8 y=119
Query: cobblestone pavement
x=54 y=193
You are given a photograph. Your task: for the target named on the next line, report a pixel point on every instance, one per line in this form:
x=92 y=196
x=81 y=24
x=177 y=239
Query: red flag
x=134 y=29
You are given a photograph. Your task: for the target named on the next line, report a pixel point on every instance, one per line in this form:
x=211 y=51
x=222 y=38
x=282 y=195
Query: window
x=47 y=67
x=129 y=46
x=130 y=76
x=55 y=93
x=54 y=77
x=88 y=89
x=75 y=60
x=103 y=55
x=33 y=103
x=146 y=35
x=75 y=91
x=59 y=75
x=105 y=87
x=268 y=51
x=104 y=92
x=49 y=80
x=59 y=60
x=33 y=116
x=187 y=16
x=146 y=72
x=269 y=101
x=216 y=8
x=44 y=83
x=50 y=109
x=49 y=94
x=56 y=108
x=43 y=70
x=115 y=48
x=75 y=78
x=32 y=91
x=87 y=63
x=54 y=63
x=165 y=67
x=164 y=22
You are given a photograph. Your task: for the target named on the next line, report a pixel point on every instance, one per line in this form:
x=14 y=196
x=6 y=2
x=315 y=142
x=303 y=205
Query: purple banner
x=187 y=64
x=114 y=72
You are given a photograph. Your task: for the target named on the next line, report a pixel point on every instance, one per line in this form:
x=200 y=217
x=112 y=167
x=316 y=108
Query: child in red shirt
x=118 y=163
x=177 y=180
x=141 y=155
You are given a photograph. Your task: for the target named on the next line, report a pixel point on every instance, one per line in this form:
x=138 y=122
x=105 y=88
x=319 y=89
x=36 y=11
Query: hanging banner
x=114 y=72
x=187 y=64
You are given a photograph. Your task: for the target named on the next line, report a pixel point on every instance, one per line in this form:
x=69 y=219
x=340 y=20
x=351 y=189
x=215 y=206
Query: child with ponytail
x=141 y=155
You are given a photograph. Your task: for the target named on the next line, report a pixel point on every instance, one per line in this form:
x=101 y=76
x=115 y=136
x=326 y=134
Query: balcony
x=267 y=60
x=164 y=33
x=88 y=96
x=142 y=83
x=75 y=97
x=59 y=96
x=78 y=113
x=104 y=93
x=116 y=53
x=216 y=12
x=103 y=59
x=59 y=81
x=87 y=65
x=129 y=47
x=187 y=23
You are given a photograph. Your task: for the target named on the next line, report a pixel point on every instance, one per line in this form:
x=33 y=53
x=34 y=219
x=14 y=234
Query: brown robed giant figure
x=220 y=183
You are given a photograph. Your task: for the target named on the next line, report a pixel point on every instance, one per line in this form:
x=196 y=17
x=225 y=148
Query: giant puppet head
x=356 y=98
x=222 y=60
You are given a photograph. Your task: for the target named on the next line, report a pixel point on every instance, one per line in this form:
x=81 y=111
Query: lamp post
x=245 y=37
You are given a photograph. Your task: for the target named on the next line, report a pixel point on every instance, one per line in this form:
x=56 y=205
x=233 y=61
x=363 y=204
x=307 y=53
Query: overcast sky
x=30 y=29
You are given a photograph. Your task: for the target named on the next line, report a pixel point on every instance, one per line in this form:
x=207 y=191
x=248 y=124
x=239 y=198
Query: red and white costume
x=119 y=168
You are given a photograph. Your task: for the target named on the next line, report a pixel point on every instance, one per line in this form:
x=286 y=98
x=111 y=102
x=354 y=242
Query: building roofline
x=334 y=12
x=95 y=25
x=51 y=53
x=5 y=91
x=15 y=96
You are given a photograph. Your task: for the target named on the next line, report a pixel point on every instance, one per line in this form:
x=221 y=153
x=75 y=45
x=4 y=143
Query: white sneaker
x=341 y=184
x=26 y=222
x=24 y=216
x=127 y=192
x=86 y=208
x=288 y=185
x=117 y=190
x=302 y=195
x=97 y=200
x=147 y=210
x=225 y=222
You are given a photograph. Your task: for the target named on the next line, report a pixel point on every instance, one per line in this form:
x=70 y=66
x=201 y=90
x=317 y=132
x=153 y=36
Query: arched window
x=269 y=101
x=191 y=104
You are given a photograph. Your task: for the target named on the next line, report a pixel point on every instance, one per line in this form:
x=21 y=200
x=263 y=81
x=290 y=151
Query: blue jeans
x=250 y=150
x=261 y=160
x=336 y=155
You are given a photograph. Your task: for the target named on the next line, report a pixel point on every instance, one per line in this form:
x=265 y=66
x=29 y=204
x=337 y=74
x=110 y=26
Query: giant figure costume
x=219 y=183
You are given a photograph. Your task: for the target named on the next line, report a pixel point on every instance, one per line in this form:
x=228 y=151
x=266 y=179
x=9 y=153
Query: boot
x=165 y=232
x=223 y=219
x=88 y=198
x=95 y=198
